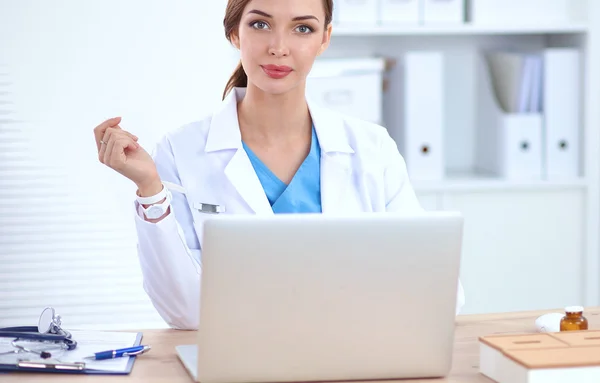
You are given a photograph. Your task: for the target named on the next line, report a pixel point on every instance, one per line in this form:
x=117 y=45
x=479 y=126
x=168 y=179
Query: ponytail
x=237 y=79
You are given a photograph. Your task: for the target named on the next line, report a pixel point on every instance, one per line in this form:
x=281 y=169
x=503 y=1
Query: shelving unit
x=468 y=182
x=528 y=244
x=460 y=29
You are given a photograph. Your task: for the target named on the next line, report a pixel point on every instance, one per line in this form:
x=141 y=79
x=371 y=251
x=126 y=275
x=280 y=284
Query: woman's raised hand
x=119 y=150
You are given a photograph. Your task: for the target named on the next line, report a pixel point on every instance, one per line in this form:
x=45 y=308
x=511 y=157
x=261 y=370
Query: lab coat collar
x=224 y=131
x=336 y=174
x=330 y=129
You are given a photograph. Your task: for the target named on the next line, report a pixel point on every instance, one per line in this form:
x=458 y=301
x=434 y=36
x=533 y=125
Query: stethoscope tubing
x=31 y=333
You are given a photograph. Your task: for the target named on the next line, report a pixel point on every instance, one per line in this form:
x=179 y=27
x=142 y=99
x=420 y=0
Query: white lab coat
x=361 y=171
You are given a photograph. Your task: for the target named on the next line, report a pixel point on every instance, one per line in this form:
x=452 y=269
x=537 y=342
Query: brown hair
x=231 y=22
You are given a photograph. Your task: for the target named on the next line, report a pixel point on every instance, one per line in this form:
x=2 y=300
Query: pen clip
x=145 y=349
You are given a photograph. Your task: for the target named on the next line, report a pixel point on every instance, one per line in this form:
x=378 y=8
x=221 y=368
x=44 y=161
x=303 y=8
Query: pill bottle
x=573 y=319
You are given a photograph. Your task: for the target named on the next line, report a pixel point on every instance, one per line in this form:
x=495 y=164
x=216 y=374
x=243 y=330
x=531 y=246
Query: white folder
x=357 y=12
x=405 y=12
x=561 y=112
x=424 y=111
x=520 y=142
x=443 y=11
x=509 y=139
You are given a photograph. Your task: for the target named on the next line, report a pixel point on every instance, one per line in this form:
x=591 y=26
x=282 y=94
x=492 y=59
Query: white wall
x=67 y=232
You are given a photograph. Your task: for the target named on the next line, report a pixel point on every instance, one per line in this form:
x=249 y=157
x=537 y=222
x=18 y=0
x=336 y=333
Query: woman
x=265 y=150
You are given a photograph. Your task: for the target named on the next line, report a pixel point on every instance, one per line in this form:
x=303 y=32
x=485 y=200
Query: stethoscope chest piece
x=48 y=330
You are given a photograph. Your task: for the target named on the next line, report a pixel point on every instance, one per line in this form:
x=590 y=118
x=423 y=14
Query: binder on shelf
x=416 y=117
x=405 y=12
x=561 y=97
x=509 y=133
x=357 y=12
x=442 y=11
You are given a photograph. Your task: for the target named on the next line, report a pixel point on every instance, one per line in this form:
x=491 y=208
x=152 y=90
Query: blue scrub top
x=303 y=194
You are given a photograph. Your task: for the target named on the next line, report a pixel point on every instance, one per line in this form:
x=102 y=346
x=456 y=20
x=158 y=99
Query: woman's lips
x=276 y=71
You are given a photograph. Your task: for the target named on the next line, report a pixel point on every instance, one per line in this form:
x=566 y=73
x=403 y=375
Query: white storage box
x=551 y=357
x=356 y=12
x=486 y=12
x=352 y=86
x=443 y=11
x=396 y=12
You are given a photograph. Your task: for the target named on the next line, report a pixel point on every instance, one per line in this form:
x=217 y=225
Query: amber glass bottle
x=573 y=319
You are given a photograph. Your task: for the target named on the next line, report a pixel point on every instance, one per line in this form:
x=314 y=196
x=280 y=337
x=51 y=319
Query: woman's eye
x=259 y=25
x=304 y=29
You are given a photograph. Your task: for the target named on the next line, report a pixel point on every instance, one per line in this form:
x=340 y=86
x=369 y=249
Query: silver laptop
x=291 y=298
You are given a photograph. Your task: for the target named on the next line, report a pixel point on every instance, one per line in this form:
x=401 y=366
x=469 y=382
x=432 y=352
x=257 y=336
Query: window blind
x=67 y=234
x=58 y=246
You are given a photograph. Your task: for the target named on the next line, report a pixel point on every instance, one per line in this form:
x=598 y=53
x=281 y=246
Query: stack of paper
x=572 y=356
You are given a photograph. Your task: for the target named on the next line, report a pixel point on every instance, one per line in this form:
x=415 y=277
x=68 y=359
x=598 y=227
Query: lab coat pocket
x=202 y=212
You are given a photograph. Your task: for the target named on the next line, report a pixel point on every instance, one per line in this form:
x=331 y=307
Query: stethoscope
x=48 y=330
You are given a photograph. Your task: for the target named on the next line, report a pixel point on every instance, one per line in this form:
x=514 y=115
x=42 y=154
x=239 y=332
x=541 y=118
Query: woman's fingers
x=110 y=124
x=101 y=152
x=114 y=134
x=116 y=152
x=109 y=147
x=118 y=131
x=117 y=155
x=101 y=129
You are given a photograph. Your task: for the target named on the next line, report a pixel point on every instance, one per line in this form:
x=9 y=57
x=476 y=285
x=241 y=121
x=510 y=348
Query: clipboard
x=53 y=366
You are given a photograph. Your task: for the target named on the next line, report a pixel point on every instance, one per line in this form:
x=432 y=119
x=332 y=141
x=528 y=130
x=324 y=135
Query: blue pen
x=121 y=352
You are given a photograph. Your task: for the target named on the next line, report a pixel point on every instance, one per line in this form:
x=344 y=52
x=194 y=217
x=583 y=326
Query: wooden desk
x=162 y=364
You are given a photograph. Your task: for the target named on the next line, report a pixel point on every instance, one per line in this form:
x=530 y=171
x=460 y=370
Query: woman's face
x=279 y=41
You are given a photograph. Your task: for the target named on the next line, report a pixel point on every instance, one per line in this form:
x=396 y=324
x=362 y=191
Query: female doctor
x=266 y=150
